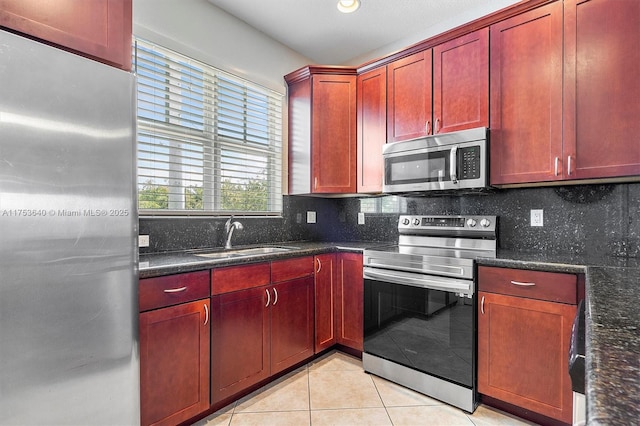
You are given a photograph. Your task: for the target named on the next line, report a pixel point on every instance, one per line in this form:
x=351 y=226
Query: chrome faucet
x=229 y=227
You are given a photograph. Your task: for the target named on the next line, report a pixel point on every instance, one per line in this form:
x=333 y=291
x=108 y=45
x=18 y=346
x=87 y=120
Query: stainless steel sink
x=254 y=251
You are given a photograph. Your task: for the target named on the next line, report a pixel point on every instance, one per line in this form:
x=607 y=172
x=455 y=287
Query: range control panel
x=447 y=224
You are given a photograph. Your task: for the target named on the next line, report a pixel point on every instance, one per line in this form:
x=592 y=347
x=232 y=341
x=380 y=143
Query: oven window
x=431 y=331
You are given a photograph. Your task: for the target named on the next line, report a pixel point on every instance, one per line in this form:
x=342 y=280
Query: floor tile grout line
x=382 y=400
x=307 y=367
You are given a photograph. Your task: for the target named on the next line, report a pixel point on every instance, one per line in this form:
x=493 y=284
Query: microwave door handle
x=453 y=163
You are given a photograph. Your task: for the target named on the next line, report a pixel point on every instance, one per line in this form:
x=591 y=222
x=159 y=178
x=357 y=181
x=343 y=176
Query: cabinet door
x=239 y=341
x=299 y=131
x=409 y=98
x=602 y=88
x=291 y=310
x=333 y=140
x=326 y=290
x=523 y=350
x=526 y=97
x=97 y=28
x=351 y=300
x=174 y=363
x=372 y=129
x=461 y=83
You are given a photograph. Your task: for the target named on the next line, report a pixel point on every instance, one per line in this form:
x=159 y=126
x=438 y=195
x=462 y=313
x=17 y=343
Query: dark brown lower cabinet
x=258 y=332
x=326 y=290
x=292 y=331
x=239 y=341
x=350 y=301
x=174 y=363
x=339 y=293
x=523 y=339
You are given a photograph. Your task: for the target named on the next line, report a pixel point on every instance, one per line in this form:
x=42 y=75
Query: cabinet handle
x=569 y=165
x=437 y=126
x=206 y=314
x=268 y=297
x=482 y=305
x=427 y=127
x=315 y=182
x=275 y=295
x=556 y=166
x=523 y=284
x=175 y=290
x=319 y=265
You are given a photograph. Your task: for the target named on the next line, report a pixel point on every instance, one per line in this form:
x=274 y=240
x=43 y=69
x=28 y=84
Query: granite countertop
x=612 y=311
x=166 y=263
x=612 y=328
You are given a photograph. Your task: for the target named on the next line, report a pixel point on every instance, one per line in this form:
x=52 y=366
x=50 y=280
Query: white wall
x=200 y=30
x=465 y=16
x=204 y=32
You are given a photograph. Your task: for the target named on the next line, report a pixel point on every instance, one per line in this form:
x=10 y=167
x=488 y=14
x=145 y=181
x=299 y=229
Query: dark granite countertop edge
x=168 y=263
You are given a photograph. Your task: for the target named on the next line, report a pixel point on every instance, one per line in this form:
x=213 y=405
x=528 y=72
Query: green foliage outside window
x=153 y=197
x=252 y=197
x=235 y=197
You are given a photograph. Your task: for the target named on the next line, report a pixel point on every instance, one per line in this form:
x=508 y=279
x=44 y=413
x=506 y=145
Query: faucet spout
x=229 y=226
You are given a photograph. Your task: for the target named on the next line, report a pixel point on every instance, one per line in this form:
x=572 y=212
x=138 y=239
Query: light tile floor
x=335 y=390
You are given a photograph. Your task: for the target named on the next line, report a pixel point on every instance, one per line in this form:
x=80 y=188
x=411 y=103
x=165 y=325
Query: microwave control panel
x=469 y=162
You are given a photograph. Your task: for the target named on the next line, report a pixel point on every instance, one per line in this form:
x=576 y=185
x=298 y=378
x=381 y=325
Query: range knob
x=485 y=223
x=471 y=223
x=416 y=221
x=405 y=221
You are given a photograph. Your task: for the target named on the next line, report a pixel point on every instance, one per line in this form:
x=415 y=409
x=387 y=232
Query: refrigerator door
x=68 y=223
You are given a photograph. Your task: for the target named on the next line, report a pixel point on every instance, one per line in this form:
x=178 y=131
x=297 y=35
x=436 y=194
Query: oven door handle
x=444 y=284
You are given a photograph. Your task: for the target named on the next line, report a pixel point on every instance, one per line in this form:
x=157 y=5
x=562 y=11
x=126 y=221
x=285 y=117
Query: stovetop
x=439 y=245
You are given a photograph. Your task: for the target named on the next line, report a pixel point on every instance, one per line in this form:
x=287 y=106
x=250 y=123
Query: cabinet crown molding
x=309 y=70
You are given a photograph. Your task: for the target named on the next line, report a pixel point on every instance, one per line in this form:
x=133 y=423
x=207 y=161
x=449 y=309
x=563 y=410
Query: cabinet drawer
x=234 y=278
x=172 y=289
x=550 y=286
x=285 y=270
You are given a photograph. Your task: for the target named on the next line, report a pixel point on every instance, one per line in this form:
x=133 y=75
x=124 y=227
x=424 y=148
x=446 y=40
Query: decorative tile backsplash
x=595 y=219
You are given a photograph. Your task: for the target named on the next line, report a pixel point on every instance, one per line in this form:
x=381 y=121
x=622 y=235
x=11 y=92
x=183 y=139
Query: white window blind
x=208 y=142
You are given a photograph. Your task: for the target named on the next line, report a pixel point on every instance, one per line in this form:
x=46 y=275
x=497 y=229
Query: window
x=386 y=204
x=208 y=141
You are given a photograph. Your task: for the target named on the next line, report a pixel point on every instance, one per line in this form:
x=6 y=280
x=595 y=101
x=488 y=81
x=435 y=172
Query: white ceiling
x=318 y=31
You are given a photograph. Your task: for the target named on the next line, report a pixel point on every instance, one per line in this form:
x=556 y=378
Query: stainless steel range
x=419 y=305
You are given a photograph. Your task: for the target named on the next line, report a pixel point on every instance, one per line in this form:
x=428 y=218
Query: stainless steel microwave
x=448 y=161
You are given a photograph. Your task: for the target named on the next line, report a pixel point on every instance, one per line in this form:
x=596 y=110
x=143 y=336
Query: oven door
x=426 y=328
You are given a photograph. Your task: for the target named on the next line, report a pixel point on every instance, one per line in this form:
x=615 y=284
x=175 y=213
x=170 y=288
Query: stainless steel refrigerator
x=68 y=225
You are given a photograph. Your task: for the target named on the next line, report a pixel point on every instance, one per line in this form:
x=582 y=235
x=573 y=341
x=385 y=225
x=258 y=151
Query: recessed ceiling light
x=348 y=6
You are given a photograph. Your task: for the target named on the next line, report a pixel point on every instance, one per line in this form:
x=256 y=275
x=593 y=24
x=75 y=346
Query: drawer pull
x=175 y=290
x=523 y=284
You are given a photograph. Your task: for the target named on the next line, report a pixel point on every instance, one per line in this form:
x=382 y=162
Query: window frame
x=253 y=130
